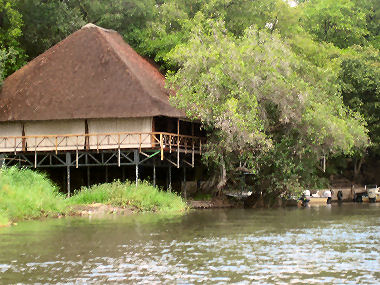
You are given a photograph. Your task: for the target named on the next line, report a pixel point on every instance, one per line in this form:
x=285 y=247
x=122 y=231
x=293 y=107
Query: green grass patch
x=26 y=194
x=3 y=220
x=145 y=197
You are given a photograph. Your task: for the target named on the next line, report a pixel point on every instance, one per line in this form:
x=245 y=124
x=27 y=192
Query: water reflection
x=312 y=245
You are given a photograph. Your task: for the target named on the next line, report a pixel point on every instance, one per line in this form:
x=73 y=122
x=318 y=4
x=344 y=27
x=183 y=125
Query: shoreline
x=99 y=210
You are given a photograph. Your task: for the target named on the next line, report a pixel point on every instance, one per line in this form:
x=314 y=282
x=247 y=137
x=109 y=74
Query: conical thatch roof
x=92 y=73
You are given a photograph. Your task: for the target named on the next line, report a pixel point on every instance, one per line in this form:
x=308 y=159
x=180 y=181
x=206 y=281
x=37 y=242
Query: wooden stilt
x=76 y=157
x=136 y=156
x=68 y=163
x=178 y=144
x=161 y=147
x=170 y=179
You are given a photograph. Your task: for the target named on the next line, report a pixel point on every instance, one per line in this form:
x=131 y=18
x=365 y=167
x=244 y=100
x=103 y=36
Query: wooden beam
x=136 y=160
x=178 y=144
x=170 y=179
x=162 y=147
x=68 y=163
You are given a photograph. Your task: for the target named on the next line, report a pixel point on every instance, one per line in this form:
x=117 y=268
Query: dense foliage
x=278 y=85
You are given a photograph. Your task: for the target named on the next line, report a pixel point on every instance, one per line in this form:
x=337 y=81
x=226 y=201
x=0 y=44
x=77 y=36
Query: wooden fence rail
x=123 y=140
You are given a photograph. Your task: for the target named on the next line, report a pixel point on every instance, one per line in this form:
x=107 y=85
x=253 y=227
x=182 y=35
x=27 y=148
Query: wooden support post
x=76 y=158
x=118 y=155
x=139 y=142
x=178 y=144
x=162 y=147
x=88 y=177
x=106 y=174
x=154 y=173
x=136 y=159
x=35 y=159
x=68 y=163
x=76 y=153
x=170 y=179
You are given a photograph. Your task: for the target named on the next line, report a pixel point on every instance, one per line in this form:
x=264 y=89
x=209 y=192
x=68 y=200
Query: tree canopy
x=262 y=104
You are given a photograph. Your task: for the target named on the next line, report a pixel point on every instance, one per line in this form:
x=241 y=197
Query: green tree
x=12 y=56
x=340 y=22
x=46 y=23
x=128 y=17
x=268 y=109
x=360 y=82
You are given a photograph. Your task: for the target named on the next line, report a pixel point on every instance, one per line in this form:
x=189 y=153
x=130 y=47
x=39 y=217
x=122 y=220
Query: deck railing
x=122 y=140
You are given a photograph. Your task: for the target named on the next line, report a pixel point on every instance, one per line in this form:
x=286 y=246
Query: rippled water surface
x=314 y=245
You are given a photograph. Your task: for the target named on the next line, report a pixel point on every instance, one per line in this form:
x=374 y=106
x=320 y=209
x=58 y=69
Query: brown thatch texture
x=92 y=73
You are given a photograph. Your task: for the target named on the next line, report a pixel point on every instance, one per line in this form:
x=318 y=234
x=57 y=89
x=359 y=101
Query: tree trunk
x=357 y=167
x=222 y=178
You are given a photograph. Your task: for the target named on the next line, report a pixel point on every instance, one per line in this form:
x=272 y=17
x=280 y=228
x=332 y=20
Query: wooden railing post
x=178 y=151
x=118 y=150
x=162 y=147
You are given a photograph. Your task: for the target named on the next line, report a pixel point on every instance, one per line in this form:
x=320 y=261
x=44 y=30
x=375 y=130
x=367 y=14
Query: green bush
x=27 y=194
x=145 y=197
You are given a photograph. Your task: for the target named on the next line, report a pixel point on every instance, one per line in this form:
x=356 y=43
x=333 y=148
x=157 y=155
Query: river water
x=338 y=244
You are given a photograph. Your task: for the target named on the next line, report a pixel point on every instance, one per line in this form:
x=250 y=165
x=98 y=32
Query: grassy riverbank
x=26 y=194
x=145 y=197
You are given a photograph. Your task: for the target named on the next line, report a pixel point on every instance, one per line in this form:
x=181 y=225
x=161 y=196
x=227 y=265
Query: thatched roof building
x=90 y=83
x=92 y=73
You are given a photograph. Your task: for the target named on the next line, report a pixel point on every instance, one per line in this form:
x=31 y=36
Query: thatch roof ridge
x=92 y=73
x=126 y=62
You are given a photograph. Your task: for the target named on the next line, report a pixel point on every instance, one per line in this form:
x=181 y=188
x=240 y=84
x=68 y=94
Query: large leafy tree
x=12 y=55
x=46 y=23
x=268 y=109
x=128 y=17
x=360 y=82
x=340 y=22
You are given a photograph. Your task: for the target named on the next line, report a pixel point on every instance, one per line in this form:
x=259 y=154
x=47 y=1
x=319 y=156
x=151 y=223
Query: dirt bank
x=99 y=209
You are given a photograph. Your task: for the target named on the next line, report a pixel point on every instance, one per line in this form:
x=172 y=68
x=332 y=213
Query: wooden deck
x=101 y=141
